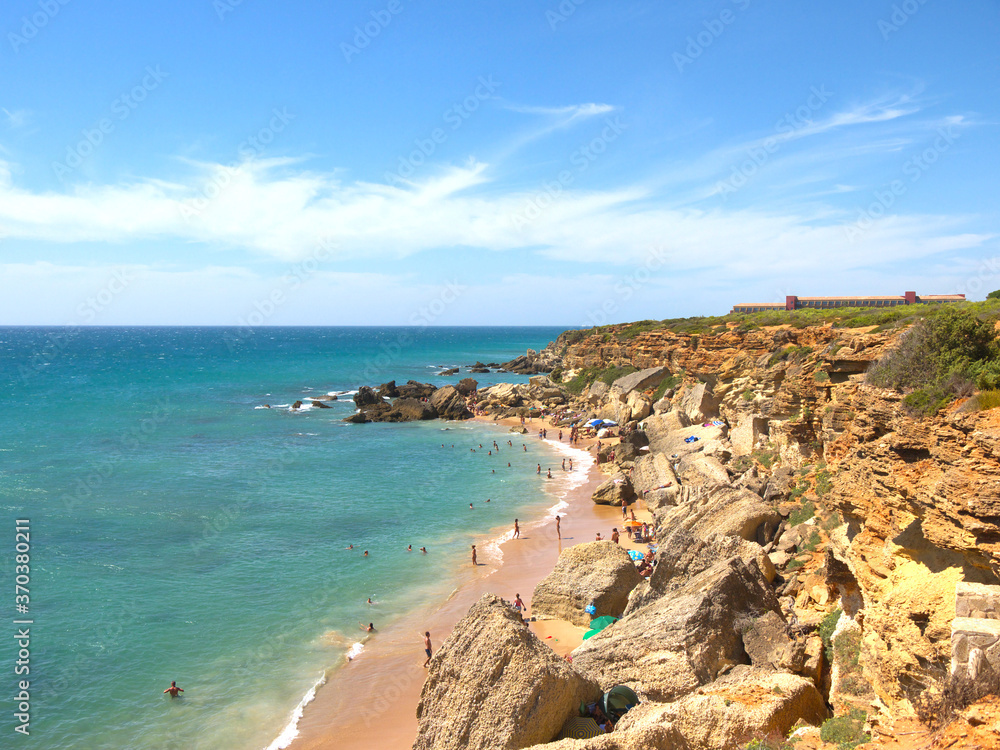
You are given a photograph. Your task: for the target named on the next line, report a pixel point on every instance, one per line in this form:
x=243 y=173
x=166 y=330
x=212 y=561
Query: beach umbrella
x=633 y=524
x=609 y=422
x=579 y=728
x=598 y=624
x=635 y=554
x=595 y=422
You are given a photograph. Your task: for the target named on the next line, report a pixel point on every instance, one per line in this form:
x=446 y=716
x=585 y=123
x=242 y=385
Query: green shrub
x=766 y=458
x=795 y=564
x=801 y=515
x=826 y=627
x=748 y=395
x=671 y=381
x=988 y=400
x=822 y=376
x=823 y=484
x=846 y=731
x=940 y=358
x=812 y=543
x=556 y=375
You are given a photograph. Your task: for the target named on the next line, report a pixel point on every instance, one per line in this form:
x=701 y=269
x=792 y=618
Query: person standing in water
x=173 y=689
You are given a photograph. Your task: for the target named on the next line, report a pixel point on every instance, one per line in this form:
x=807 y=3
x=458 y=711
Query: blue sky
x=256 y=162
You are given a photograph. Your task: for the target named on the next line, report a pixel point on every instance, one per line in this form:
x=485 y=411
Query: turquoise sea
x=179 y=532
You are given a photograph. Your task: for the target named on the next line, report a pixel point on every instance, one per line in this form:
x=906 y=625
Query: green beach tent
x=598 y=624
x=617 y=701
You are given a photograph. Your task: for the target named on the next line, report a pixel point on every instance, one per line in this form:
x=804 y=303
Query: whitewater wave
x=291 y=730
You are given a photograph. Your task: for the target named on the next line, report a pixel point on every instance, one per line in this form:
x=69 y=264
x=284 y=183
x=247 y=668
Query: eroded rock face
x=598 y=573
x=493 y=684
x=614 y=490
x=724 y=511
x=674 y=644
x=449 y=403
x=682 y=555
x=746 y=703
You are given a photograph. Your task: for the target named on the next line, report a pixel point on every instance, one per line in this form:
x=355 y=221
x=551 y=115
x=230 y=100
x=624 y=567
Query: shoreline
x=373 y=700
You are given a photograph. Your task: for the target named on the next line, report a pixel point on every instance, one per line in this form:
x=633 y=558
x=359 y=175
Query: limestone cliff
x=920 y=496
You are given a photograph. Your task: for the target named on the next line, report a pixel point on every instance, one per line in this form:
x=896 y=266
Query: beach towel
x=691 y=439
x=718 y=423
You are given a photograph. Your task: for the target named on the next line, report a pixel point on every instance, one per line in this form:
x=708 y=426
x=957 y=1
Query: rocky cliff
x=803 y=516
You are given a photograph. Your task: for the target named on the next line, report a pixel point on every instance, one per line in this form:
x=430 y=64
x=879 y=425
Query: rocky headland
x=814 y=533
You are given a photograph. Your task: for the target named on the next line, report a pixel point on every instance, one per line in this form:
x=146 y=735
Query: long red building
x=793 y=302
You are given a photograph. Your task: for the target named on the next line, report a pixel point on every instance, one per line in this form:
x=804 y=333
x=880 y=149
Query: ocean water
x=180 y=532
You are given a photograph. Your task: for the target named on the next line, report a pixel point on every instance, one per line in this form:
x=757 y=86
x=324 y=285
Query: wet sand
x=372 y=701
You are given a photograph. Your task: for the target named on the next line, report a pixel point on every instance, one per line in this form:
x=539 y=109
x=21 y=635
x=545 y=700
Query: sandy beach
x=372 y=701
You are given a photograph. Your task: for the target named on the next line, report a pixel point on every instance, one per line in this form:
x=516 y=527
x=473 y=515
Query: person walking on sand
x=474 y=555
x=173 y=689
x=517 y=530
x=614 y=535
x=558 y=530
x=427 y=647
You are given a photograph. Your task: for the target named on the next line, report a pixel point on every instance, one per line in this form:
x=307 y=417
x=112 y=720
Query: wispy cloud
x=17 y=119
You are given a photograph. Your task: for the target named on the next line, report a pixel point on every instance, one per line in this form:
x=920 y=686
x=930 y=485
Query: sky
x=497 y=162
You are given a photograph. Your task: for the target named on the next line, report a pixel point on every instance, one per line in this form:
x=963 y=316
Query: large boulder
x=681 y=556
x=746 y=703
x=614 y=490
x=698 y=403
x=597 y=391
x=598 y=573
x=639 y=381
x=388 y=390
x=726 y=511
x=654 y=480
x=494 y=685
x=502 y=394
x=449 y=403
x=674 y=644
x=467 y=386
x=769 y=644
x=413 y=389
x=366 y=396
x=409 y=410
